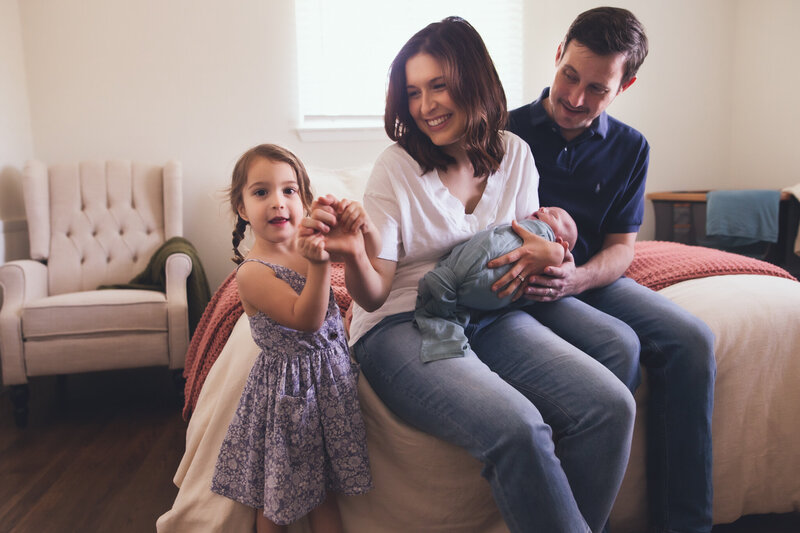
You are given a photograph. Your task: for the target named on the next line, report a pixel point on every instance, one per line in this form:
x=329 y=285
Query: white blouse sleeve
x=382 y=207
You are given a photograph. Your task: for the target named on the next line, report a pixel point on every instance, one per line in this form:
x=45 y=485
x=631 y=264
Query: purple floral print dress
x=297 y=431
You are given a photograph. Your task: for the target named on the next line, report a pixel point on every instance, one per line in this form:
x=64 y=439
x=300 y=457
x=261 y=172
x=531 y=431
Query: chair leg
x=19 y=397
x=180 y=384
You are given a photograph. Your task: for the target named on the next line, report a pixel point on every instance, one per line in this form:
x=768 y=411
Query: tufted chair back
x=98 y=222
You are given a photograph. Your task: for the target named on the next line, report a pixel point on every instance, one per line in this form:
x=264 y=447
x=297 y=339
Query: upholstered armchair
x=91 y=224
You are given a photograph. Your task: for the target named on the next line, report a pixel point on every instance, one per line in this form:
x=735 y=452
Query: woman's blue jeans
x=678 y=353
x=551 y=425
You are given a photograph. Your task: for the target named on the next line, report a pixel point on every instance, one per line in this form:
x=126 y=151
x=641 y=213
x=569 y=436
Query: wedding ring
x=521 y=278
x=550 y=291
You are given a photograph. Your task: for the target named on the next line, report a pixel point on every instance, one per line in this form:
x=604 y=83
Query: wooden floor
x=98 y=454
x=100 y=451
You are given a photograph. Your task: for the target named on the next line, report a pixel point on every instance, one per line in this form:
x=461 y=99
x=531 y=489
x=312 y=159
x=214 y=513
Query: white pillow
x=342 y=183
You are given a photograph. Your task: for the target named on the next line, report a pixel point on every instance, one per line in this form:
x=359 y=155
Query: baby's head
x=562 y=224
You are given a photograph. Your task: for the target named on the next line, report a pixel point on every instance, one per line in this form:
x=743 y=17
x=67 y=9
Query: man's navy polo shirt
x=598 y=177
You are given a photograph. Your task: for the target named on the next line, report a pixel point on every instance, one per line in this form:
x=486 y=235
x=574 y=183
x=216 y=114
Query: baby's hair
x=239 y=180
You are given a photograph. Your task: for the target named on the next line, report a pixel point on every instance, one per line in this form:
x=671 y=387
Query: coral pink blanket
x=656 y=265
x=659 y=264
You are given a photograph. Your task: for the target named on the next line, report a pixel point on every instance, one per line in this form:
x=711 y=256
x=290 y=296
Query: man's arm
x=605 y=267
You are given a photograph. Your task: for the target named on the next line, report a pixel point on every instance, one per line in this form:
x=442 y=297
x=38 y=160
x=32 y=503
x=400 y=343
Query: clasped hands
x=340 y=224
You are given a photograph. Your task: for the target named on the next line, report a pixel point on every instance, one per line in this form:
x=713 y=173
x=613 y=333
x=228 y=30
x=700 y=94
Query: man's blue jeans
x=678 y=353
x=551 y=425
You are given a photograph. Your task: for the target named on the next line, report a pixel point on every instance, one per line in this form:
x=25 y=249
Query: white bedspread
x=425 y=485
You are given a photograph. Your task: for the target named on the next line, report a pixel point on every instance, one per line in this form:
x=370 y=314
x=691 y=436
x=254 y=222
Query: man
x=594 y=166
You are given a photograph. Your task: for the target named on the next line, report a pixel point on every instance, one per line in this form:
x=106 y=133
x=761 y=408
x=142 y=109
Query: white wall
x=201 y=81
x=196 y=80
x=16 y=144
x=765 y=110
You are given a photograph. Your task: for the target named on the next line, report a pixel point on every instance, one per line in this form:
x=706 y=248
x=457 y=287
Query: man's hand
x=555 y=282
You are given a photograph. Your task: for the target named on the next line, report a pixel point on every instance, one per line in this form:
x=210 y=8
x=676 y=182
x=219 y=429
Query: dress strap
x=274 y=266
x=254 y=260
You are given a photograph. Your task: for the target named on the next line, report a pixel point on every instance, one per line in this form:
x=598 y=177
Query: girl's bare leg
x=325 y=517
x=265 y=525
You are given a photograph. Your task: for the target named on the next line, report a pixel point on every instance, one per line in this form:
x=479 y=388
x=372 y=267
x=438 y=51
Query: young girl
x=297 y=433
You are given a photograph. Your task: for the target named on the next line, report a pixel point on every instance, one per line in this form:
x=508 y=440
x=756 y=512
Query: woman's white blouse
x=420 y=221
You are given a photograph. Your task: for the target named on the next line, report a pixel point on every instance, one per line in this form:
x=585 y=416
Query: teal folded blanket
x=743 y=217
x=154 y=278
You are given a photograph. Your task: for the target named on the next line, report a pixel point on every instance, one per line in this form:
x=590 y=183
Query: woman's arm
x=606 y=266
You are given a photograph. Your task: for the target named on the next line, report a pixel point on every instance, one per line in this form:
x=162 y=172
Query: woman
x=550 y=424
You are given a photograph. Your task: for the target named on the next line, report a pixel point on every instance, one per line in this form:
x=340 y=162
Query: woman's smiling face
x=430 y=103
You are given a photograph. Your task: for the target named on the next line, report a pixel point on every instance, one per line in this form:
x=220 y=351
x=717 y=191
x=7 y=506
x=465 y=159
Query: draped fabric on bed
x=656 y=265
x=422 y=483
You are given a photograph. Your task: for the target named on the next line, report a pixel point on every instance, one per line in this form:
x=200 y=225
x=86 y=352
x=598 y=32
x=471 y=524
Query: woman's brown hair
x=474 y=86
x=239 y=180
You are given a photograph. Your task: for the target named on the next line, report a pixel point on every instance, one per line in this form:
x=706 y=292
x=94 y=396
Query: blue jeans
x=678 y=353
x=551 y=425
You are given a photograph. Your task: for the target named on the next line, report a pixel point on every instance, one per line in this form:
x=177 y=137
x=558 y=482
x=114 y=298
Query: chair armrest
x=178 y=268
x=20 y=281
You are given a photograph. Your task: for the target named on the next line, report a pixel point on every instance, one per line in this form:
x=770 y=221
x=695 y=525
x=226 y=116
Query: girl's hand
x=532 y=257
x=312 y=247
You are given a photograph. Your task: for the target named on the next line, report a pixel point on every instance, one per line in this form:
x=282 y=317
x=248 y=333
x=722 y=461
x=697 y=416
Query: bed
x=423 y=484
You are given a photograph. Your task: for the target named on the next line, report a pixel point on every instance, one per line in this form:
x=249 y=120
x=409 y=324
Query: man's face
x=584 y=86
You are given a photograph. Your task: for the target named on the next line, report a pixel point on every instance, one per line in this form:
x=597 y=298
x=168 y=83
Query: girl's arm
x=261 y=289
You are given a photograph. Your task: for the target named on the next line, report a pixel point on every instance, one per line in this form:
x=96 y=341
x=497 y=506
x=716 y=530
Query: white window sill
x=341 y=129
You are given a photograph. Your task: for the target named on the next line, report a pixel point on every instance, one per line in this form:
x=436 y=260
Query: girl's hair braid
x=238 y=236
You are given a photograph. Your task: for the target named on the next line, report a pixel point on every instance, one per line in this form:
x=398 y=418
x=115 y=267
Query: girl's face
x=430 y=104
x=271 y=201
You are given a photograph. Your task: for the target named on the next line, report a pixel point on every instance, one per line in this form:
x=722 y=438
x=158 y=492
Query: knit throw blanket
x=154 y=277
x=214 y=328
x=656 y=265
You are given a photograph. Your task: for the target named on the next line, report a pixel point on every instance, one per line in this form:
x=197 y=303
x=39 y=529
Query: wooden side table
x=681 y=217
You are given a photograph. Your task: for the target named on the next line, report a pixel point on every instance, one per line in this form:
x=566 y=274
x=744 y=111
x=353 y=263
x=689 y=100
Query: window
x=345 y=48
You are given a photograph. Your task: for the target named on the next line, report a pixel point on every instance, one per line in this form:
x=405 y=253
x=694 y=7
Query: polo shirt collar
x=539 y=117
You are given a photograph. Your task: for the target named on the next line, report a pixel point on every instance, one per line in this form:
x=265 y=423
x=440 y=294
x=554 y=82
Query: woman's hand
x=322 y=216
x=340 y=223
x=532 y=257
x=352 y=217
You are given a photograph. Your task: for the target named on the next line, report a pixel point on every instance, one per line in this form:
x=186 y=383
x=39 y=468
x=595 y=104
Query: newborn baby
x=461 y=281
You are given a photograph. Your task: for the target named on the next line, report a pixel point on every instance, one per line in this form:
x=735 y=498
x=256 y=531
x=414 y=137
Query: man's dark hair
x=610 y=30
